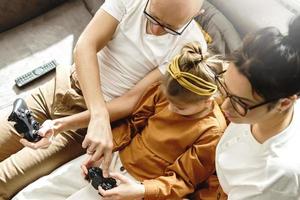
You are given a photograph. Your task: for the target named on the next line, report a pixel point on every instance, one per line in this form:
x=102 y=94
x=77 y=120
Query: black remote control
x=36 y=73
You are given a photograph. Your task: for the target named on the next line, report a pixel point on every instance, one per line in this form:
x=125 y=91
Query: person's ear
x=285 y=103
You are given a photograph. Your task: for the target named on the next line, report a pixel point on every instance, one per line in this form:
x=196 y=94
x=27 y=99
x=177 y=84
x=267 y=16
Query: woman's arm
x=99 y=31
x=95 y=36
x=118 y=108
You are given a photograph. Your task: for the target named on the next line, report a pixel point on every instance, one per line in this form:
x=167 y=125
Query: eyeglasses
x=152 y=20
x=238 y=105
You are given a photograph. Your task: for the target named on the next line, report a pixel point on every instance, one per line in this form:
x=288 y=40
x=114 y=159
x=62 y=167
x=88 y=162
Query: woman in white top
x=257 y=157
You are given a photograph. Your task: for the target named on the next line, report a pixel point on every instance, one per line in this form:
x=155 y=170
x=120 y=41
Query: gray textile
x=15 y=12
x=93 y=5
x=225 y=38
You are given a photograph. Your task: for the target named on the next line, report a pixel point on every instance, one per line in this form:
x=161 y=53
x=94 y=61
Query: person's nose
x=157 y=29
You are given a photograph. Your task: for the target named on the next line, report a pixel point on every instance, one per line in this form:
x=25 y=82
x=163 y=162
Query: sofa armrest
x=93 y=5
x=248 y=16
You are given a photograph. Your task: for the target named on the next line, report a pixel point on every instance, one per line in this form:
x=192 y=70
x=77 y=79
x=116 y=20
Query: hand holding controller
x=25 y=124
x=96 y=178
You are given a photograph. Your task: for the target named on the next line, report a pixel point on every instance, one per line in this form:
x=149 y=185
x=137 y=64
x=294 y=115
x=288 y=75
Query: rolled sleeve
x=151 y=190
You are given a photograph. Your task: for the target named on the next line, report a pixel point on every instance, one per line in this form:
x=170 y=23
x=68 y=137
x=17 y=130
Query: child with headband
x=166 y=148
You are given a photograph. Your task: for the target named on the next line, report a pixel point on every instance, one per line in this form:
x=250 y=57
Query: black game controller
x=25 y=124
x=95 y=176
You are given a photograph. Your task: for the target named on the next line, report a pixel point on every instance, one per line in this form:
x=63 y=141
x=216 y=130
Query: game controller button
x=122 y=168
x=27 y=113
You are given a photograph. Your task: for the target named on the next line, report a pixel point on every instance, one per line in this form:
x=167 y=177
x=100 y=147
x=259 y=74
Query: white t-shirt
x=132 y=53
x=248 y=170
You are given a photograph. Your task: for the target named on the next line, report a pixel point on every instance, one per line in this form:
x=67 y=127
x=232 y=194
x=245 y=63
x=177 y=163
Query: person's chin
x=182 y=114
x=234 y=119
x=158 y=34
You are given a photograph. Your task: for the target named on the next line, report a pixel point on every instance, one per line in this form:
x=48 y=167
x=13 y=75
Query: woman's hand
x=127 y=189
x=98 y=142
x=88 y=163
x=47 y=131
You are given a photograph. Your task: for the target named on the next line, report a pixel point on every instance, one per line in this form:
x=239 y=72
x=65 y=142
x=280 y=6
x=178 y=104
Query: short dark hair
x=271 y=61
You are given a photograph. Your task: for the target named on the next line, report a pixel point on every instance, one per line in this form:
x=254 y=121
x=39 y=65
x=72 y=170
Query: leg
x=67 y=182
x=86 y=193
x=9 y=139
x=58 y=185
x=89 y=193
x=26 y=165
x=37 y=102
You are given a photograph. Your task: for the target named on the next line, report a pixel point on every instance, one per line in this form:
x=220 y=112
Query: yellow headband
x=205 y=88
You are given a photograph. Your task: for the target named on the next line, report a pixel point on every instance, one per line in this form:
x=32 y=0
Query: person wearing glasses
x=132 y=38
x=168 y=143
x=125 y=41
x=257 y=158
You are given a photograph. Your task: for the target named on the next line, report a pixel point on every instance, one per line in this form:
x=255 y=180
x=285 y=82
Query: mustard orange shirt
x=169 y=153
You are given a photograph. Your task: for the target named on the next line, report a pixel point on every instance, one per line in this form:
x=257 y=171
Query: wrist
x=99 y=113
x=59 y=125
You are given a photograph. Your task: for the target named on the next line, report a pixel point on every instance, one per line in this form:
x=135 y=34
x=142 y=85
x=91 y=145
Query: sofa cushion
x=93 y=5
x=14 y=12
x=248 y=16
x=225 y=38
x=292 y=5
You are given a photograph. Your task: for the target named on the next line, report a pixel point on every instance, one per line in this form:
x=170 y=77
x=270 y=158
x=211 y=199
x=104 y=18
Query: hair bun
x=293 y=37
x=192 y=54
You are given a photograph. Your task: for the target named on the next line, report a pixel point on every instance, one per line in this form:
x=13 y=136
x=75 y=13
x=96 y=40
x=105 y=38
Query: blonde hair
x=191 y=75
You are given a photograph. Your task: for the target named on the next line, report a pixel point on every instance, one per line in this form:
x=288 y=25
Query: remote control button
x=38 y=71
x=45 y=66
x=122 y=168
